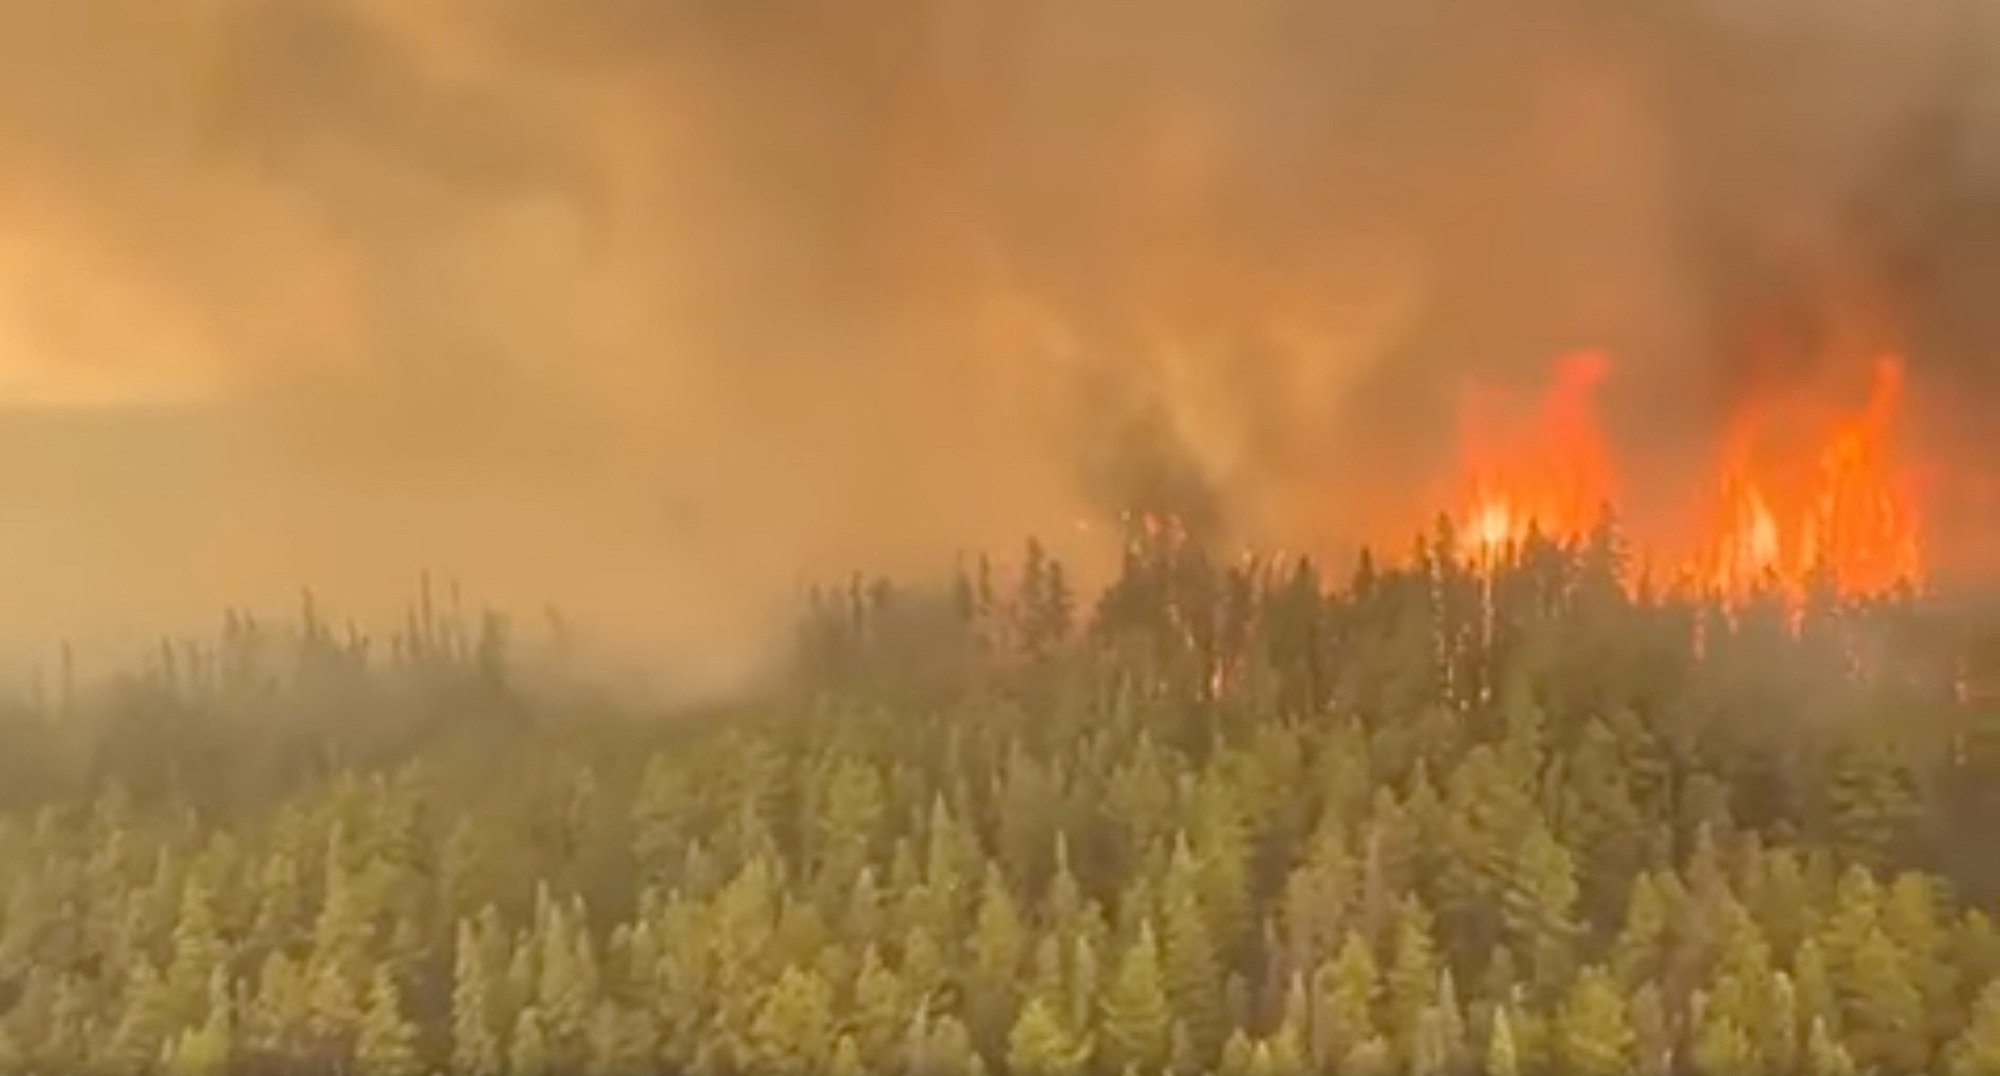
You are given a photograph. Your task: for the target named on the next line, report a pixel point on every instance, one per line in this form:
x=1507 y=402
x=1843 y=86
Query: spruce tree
x=1826 y=1055
x=794 y=1028
x=1722 y=1048
x=846 y=1059
x=1976 y=1052
x=1136 y=1019
x=528 y=1046
x=1884 y=1015
x=1039 y=1044
x=146 y=1020
x=1344 y=993
x=475 y=1046
x=1501 y=1057
x=387 y=1042
x=1539 y=904
x=1193 y=973
x=1593 y=1032
x=998 y=942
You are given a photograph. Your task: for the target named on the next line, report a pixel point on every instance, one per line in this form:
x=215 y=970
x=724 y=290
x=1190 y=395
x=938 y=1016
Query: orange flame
x=1841 y=511
x=1552 y=477
x=1827 y=499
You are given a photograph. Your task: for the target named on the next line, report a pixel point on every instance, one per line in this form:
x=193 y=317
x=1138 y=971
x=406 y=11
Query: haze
x=653 y=311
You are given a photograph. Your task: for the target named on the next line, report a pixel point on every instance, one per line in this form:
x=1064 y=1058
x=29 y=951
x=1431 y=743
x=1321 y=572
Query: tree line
x=1220 y=816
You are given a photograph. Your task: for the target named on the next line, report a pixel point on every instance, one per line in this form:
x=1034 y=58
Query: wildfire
x=1795 y=497
x=1843 y=512
x=1549 y=475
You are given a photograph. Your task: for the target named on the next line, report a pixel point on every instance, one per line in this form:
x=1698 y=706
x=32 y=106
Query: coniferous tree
x=1189 y=957
x=528 y=1047
x=387 y=1042
x=1538 y=906
x=1593 y=1030
x=1825 y=1055
x=147 y=1021
x=1136 y=1020
x=794 y=1027
x=1884 y=1016
x=1976 y=1052
x=475 y=1044
x=1344 y=993
x=1039 y=1044
x=1501 y=1056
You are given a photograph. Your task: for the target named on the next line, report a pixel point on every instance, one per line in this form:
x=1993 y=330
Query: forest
x=1245 y=817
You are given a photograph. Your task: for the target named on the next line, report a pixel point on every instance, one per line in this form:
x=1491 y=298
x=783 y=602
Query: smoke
x=655 y=310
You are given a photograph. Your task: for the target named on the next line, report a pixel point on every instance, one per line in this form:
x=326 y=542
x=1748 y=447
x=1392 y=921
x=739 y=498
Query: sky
x=657 y=311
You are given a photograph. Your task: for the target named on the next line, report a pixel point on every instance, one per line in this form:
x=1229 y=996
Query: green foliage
x=1226 y=821
x=1977 y=1051
x=1039 y=1044
x=387 y=1045
x=1136 y=1020
x=1592 y=1028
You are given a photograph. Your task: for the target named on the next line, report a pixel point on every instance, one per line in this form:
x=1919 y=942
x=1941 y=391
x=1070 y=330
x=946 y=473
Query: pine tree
x=846 y=1059
x=1976 y=1052
x=1501 y=1057
x=1085 y=978
x=1884 y=1016
x=1238 y=1055
x=879 y=1008
x=863 y=920
x=198 y=951
x=1344 y=992
x=1825 y=1055
x=1910 y=917
x=343 y=929
x=1812 y=986
x=1857 y=912
x=1136 y=1020
x=387 y=1042
x=943 y=1048
x=1778 y=1044
x=1874 y=800
x=997 y=945
x=1539 y=904
x=566 y=991
x=1721 y=1048
x=201 y=1051
x=146 y=1021
x=1431 y=1050
x=624 y=1041
x=1635 y=956
x=1412 y=976
x=475 y=1047
x=528 y=1047
x=335 y=1011
x=793 y=1032
x=1181 y=1059
x=1371 y=1057
x=1594 y=1034
x=1190 y=960
x=1039 y=1044
x=852 y=809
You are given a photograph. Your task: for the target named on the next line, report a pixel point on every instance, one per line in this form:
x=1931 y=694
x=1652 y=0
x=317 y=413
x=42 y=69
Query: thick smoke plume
x=655 y=308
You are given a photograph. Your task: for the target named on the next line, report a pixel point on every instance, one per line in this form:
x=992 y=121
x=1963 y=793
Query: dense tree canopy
x=1227 y=819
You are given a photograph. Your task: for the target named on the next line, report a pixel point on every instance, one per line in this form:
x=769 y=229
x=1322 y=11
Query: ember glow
x=1801 y=491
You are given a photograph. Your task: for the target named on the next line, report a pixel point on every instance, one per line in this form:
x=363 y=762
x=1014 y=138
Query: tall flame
x=1790 y=502
x=1837 y=507
x=1550 y=476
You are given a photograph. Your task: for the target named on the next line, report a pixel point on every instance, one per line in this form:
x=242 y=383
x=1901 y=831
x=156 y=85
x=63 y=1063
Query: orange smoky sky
x=653 y=311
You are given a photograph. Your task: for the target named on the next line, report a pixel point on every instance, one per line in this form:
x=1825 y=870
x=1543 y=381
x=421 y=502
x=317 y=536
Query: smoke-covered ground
x=655 y=309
